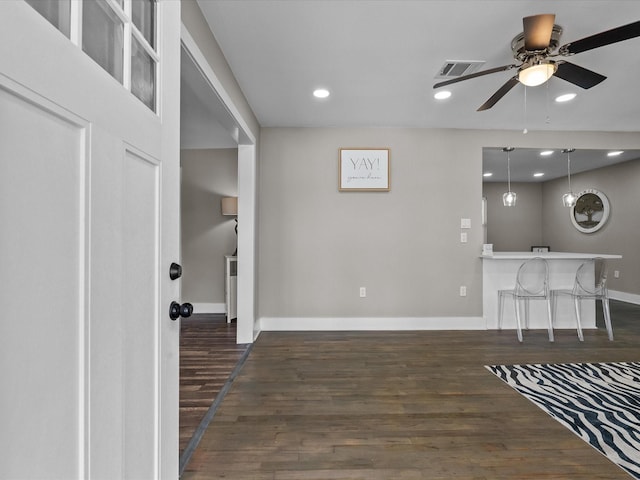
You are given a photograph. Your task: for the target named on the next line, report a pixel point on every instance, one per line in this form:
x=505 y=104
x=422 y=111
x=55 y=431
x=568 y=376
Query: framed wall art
x=540 y=249
x=364 y=170
x=591 y=211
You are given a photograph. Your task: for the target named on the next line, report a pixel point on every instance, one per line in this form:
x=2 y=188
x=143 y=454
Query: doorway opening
x=212 y=347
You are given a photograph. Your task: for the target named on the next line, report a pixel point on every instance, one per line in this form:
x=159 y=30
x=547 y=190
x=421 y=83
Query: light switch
x=463 y=237
x=465 y=223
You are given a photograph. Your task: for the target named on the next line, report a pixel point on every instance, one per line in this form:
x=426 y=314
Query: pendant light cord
x=569 y=150
x=569 y=169
x=508 y=171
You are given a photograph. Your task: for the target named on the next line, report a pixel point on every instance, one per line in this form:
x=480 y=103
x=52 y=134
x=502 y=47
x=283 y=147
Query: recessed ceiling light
x=546 y=153
x=538 y=174
x=442 y=94
x=615 y=153
x=566 y=97
x=487 y=174
x=321 y=93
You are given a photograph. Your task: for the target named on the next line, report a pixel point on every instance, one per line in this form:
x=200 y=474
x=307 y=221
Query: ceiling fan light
x=536 y=74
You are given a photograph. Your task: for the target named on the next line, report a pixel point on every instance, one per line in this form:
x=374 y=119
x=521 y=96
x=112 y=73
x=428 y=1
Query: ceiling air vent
x=458 y=68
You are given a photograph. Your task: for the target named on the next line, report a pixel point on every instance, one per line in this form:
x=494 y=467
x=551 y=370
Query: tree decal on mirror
x=591 y=211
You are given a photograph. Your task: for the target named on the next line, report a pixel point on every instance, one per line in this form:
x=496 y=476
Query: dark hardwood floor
x=208 y=355
x=402 y=405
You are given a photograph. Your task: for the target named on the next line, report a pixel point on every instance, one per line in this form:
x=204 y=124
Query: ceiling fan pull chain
x=525 y=131
x=548 y=119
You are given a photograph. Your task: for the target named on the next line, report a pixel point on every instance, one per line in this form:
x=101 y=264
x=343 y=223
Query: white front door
x=89 y=224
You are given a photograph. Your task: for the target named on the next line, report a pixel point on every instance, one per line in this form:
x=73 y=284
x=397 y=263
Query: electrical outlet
x=463 y=291
x=465 y=223
x=463 y=237
x=616 y=274
x=363 y=292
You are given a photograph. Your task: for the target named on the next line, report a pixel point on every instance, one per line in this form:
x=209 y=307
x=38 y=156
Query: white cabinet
x=230 y=286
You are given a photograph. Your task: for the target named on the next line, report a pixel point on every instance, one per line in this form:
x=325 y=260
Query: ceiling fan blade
x=474 y=75
x=578 y=75
x=537 y=31
x=502 y=91
x=614 y=35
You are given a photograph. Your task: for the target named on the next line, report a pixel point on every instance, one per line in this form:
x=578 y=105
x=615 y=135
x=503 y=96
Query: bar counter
x=499 y=273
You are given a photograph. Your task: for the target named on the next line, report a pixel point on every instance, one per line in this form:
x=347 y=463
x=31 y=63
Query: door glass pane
x=142 y=74
x=143 y=16
x=57 y=12
x=102 y=36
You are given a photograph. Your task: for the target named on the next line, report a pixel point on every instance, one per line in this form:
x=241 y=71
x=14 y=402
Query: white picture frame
x=364 y=170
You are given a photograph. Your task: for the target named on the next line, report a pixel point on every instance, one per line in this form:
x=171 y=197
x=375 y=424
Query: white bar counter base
x=499 y=273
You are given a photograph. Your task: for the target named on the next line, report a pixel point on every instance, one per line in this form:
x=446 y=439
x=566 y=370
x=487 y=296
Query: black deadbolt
x=175 y=271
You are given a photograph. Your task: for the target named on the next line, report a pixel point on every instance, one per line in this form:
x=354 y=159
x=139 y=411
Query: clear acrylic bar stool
x=532 y=283
x=588 y=287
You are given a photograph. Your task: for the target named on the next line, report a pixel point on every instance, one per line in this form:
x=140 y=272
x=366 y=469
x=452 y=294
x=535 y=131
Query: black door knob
x=176 y=310
x=186 y=309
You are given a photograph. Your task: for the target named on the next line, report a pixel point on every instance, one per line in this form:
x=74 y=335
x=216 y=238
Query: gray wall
x=517 y=228
x=317 y=245
x=621 y=234
x=207 y=235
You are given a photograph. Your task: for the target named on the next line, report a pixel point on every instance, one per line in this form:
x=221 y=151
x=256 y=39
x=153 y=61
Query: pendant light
x=569 y=199
x=509 y=198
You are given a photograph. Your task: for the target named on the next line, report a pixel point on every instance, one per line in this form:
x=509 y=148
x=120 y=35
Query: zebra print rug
x=599 y=402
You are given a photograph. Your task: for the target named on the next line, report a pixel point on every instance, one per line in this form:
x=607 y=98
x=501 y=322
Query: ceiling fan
x=534 y=48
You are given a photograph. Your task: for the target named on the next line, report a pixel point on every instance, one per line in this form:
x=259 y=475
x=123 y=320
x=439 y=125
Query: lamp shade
x=229 y=205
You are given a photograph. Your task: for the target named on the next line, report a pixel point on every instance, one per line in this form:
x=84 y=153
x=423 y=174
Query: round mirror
x=591 y=211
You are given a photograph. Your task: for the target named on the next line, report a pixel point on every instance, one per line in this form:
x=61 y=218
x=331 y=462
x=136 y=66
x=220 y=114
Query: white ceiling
x=527 y=161
x=379 y=59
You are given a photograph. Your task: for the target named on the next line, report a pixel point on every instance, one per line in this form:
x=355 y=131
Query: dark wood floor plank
x=208 y=355
x=402 y=405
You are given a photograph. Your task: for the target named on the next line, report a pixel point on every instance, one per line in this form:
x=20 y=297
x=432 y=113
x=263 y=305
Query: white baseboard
x=209 y=308
x=624 y=297
x=278 y=324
